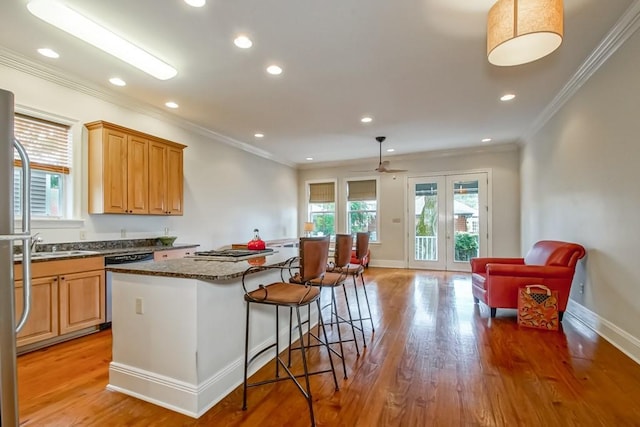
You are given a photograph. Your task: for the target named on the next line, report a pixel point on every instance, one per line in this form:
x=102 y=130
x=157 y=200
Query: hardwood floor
x=435 y=359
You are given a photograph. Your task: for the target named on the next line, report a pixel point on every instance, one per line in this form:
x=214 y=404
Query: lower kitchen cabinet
x=66 y=296
x=42 y=322
x=82 y=301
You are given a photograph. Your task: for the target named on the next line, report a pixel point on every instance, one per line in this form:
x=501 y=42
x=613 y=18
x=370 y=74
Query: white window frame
x=70 y=200
x=347 y=225
x=335 y=202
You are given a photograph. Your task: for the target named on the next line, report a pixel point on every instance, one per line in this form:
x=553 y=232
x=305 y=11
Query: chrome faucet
x=35 y=239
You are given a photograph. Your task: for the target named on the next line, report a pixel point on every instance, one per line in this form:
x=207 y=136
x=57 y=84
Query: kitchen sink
x=57 y=254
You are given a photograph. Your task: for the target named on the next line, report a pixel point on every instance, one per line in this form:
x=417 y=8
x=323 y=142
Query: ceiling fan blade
x=383 y=166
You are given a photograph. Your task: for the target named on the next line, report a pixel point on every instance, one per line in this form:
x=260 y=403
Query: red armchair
x=360 y=255
x=495 y=281
x=364 y=261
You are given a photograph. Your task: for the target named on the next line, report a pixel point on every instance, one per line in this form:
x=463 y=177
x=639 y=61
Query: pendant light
x=522 y=31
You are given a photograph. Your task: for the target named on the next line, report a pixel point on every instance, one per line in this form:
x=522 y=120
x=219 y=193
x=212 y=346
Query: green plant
x=466 y=246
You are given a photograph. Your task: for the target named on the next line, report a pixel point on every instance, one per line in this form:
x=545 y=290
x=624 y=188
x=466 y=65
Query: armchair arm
x=479 y=265
x=541 y=271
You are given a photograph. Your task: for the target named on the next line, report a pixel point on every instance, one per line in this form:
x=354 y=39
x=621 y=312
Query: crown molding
x=616 y=37
x=50 y=74
x=449 y=152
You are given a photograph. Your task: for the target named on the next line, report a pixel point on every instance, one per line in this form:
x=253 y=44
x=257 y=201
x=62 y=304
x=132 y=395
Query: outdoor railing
x=426 y=248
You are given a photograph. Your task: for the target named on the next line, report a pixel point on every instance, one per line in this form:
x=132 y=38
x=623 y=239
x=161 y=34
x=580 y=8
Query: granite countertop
x=141 y=249
x=196 y=268
x=103 y=248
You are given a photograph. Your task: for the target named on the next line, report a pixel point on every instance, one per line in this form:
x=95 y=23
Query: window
x=362 y=208
x=48 y=147
x=322 y=208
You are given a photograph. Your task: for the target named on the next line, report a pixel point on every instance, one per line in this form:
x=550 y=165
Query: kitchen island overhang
x=178 y=329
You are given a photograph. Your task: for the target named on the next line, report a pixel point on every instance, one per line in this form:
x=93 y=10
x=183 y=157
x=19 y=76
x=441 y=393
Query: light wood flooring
x=435 y=359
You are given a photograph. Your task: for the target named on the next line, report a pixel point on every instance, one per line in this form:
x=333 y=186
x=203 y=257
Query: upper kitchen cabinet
x=165 y=179
x=133 y=173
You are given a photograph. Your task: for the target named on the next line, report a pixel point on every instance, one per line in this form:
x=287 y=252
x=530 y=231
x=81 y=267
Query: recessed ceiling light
x=66 y=19
x=171 y=104
x=195 y=3
x=309 y=158
x=49 y=53
x=507 y=97
x=243 y=42
x=259 y=135
x=366 y=119
x=117 y=81
x=390 y=150
x=274 y=69
x=486 y=140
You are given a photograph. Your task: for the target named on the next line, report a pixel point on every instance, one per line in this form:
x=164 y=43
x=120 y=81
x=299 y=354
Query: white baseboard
x=388 y=263
x=163 y=391
x=619 y=338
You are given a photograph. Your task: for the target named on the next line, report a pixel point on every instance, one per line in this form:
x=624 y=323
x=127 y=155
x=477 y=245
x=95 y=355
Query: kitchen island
x=178 y=329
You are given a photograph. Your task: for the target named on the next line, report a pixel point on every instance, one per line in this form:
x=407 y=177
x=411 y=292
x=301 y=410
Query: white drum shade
x=522 y=31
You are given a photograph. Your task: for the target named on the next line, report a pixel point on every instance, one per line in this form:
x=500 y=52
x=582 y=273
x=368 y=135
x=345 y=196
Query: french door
x=447 y=221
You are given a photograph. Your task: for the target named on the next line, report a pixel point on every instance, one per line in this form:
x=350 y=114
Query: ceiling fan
x=383 y=167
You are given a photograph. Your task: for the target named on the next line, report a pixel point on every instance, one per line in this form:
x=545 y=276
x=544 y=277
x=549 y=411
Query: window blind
x=47 y=144
x=358 y=191
x=323 y=192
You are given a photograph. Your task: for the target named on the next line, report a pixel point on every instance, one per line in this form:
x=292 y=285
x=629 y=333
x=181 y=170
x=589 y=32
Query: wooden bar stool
x=333 y=279
x=355 y=271
x=294 y=297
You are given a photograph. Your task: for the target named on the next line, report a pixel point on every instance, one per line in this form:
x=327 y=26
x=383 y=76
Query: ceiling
x=417 y=67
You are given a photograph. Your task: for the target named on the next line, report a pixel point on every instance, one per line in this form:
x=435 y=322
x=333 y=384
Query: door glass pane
x=426 y=222
x=465 y=220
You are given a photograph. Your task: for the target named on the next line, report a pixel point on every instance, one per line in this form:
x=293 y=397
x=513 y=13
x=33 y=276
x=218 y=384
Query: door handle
x=25 y=235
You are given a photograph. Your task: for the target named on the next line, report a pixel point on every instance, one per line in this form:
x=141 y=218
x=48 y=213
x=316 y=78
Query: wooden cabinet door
x=82 y=300
x=157 y=178
x=175 y=195
x=42 y=322
x=115 y=171
x=137 y=175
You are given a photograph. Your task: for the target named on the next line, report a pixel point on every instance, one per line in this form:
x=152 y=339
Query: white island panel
x=186 y=351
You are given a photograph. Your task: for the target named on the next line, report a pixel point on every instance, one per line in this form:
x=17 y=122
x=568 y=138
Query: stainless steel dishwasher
x=117 y=260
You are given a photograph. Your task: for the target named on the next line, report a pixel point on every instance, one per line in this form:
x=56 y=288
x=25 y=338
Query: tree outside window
x=323 y=217
x=362 y=218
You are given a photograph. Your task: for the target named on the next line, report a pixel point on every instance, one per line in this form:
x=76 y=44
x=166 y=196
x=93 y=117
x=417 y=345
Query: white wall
x=227 y=192
x=580 y=183
x=502 y=161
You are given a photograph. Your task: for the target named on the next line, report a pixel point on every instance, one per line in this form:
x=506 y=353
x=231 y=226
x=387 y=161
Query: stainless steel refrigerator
x=8 y=324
